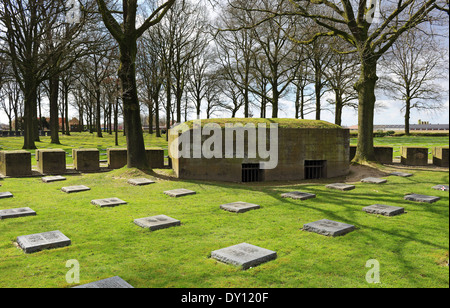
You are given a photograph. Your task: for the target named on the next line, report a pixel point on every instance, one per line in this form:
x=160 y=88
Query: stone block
x=441 y=187
x=244 y=255
x=383 y=155
x=140 y=182
x=440 y=156
x=15 y=213
x=109 y=202
x=341 y=186
x=298 y=195
x=401 y=174
x=373 y=180
x=6 y=194
x=15 y=163
x=51 y=161
x=179 y=192
x=155 y=157
x=328 y=227
x=385 y=210
x=74 y=189
x=414 y=156
x=40 y=241
x=117 y=158
x=50 y=179
x=421 y=198
x=157 y=222
x=86 y=160
x=239 y=207
x=108 y=283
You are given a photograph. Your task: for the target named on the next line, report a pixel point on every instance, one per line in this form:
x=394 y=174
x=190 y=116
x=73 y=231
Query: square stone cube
x=51 y=161
x=244 y=255
x=15 y=213
x=440 y=156
x=179 y=192
x=373 y=180
x=74 y=189
x=383 y=154
x=341 y=186
x=298 y=195
x=401 y=174
x=239 y=207
x=441 y=187
x=414 y=156
x=328 y=227
x=421 y=198
x=86 y=160
x=40 y=241
x=108 y=283
x=157 y=222
x=140 y=182
x=50 y=179
x=6 y=194
x=155 y=157
x=15 y=163
x=117 y=158
x=385 y=210
x=109 y=202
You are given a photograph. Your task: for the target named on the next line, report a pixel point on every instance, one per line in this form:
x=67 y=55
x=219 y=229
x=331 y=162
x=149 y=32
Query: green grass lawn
x=410 y=248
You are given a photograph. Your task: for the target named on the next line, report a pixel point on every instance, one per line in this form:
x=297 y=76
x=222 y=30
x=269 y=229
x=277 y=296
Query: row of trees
x=173 y=60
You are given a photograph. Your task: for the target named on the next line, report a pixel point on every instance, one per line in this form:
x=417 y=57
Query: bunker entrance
x=251 y=173
x=315 y=169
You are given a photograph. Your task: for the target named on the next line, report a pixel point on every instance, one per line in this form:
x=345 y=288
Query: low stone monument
x=140 y=182
x=109 y=202
x=401 y=174
x=157 y=222
x=86 y=160
x=15 y=213
x=440 y=156
x=244 y=255
x=383 y=154
x=15 y=163
x=298 y=195
x=414 y=156
x=384 y=210
x=328 y=227
x=179 y=192
x=441 y=187
x=341 y=186
x=74 y=189
x=109 y=283
x=239 y=207
x=6 y=194
x=373 y=180
x=40 y=241
x=51 y=161
x=421 y=198
x=117 y=158
x=50 y=179
x=155 y=157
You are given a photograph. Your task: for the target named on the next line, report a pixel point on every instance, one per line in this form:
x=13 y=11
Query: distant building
x=421 y=127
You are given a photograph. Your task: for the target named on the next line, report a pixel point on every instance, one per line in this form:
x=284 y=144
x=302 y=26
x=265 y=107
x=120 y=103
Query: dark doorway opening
x=251 y=173
x=315 y=169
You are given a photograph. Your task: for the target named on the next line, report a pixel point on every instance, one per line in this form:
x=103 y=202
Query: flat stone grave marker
x=298 y=195
x=328 y=227
x=109 y=202
x=179 y=192
x=421 y=198
x=47 y=240
x=109 y=283
x=244 y=255
x=373 y=180
x=6 y=194
x=157 y=222
x=15 y=213
x=402 y=174
x=441 y=187
x=49 y=179
x=385 y=210
x=239 y=207
x=140 y=182
x=341 y=186
x=73 y=189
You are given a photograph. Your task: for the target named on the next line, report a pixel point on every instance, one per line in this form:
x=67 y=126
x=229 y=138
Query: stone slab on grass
x=244 y=255
x=140 y=182
x=40 y=241
x=179 y=192
x=50 y=179
x=328 y=227
x=108 y=202
x=6 y=194
x=15 y=213
x=441 y=187
x=239 y=207
x=341 y=186
x=74 y=189
x=402 y=174
x=373 y=180
x=385 y=210
x=109 y=283
x=298 y=195
x=421 y=198
x=157 y=222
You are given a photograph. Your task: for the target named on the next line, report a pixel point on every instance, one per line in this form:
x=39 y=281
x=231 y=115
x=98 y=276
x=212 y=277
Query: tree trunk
x=338 y=109
x=407 y=116
x=29 y=112
x=98 y=122
x=365 y=88
x=54 y=124
x=137 y=157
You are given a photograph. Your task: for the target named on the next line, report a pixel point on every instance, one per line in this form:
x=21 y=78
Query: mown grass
x=410 y=247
